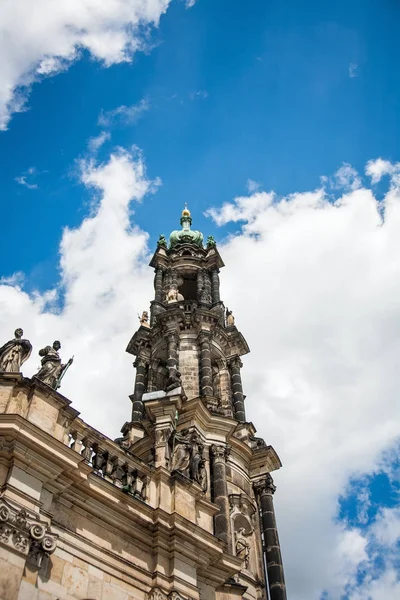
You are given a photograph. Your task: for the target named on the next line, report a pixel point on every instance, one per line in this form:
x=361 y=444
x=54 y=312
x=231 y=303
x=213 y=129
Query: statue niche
x=242 y=512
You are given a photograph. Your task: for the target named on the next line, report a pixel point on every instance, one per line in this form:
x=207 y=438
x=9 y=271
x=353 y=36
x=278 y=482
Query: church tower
x=180 y=507
x=188 y=411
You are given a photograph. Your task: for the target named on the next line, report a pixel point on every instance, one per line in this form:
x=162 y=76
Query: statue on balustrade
x=52 y=371
x=14 y=353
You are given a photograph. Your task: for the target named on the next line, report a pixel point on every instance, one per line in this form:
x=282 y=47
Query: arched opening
x=188 y=288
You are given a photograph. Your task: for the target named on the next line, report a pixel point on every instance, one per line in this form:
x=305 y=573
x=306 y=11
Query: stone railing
x=109 y=461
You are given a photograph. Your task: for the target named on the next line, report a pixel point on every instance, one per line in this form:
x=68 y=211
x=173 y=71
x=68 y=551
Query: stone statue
x=181 y=453
x=172 y=295
x=52 y=371
x=144 y=319
x=242 y=546
x=14 y=353
x=202 y=480
x=174 y=381
x=197 y=464
x=211 y=243
x=187 y=457
x=230 y=319
x=162 y=241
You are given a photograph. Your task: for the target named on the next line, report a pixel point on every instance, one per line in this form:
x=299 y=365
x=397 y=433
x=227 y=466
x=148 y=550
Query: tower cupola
x=186 y=235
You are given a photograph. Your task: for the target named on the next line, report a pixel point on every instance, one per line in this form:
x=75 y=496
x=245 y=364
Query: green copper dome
x=186 y=235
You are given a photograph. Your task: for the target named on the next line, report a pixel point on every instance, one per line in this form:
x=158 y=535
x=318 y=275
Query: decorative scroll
x=26 y=534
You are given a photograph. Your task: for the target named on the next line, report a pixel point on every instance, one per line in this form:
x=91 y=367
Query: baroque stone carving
x=14 y=353
x=242 y=546
x=26 y=534
x=220 y=452
x=162 y=241
x=187 y=457
x=158 y=594
x=52 y=371
x=144 y=319
x=230 y=319
x=172 y=295
x=174 y=381
x=264 y=486
x=211 y=243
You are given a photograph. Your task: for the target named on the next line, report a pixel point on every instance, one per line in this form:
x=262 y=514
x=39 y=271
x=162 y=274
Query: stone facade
x=180 y=507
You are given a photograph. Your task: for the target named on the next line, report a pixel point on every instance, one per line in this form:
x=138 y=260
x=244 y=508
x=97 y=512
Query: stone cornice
x=214 y=428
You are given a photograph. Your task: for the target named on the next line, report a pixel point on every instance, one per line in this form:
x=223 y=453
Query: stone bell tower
x=189 y=422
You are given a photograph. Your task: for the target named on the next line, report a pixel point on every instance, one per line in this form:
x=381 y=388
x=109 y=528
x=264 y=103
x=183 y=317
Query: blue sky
x=225 y=101
x=280 y=93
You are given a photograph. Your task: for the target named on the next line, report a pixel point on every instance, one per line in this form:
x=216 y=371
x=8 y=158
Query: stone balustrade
x=109 y=461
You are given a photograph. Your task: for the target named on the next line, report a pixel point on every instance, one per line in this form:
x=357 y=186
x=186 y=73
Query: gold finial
x=186 y=211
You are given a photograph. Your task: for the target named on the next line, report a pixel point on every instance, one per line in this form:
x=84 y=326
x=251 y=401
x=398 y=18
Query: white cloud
x=253 y=186
x=353 y=67
x=23 y=179
x=245 y=208
x=105 y=283
x=346 y=178
x=376 y=169
x=44 y=37
x=96 y=142
x=124 y=114
x=315 y=287
x=202 y=94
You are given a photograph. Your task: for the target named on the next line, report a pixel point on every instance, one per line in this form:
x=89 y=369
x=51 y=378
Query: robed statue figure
x=52 y=370
x=14 y=353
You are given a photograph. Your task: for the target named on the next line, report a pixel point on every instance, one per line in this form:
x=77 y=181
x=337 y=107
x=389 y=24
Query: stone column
x=225 y=386
x=140 y=388
x=207 y=288
x=237 y=390
x=172 y=350
x=152 y=375
x=265 y=490
x=158 y=284
x=206 y=387
x=200 y=284
x=174 y=278
x=220 y=497
x=215 y=286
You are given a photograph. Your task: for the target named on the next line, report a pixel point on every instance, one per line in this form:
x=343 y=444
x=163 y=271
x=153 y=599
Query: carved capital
x=204 y=337
x=26 y=534
x=235 y=362
x=173 y=337
x=264 y=486
x=220 y=453
x=140 y=361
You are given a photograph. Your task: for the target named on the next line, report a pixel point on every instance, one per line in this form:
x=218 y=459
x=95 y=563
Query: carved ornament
x=26 y=534
x=220 y=453
x=264 y=486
